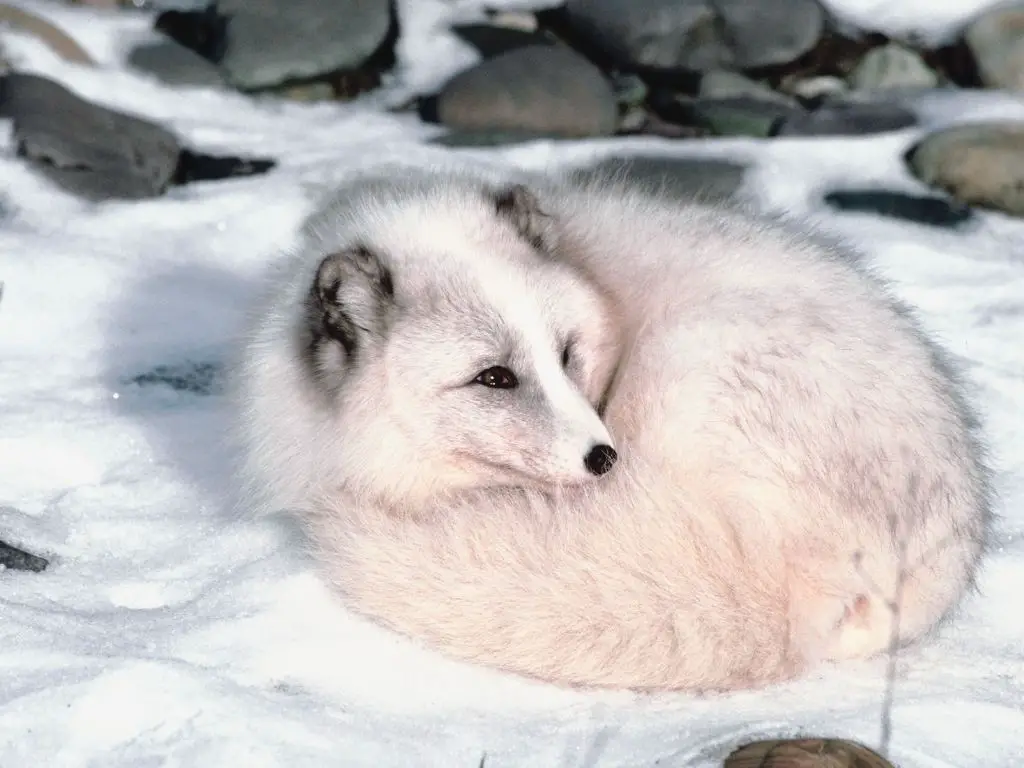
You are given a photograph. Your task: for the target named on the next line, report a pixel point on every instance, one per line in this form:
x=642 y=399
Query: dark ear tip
x=328 y=276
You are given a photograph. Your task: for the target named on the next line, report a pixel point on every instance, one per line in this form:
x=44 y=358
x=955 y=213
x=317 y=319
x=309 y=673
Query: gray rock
x=175 y=64
x=91 y=150
x=980 y=164
x=699 y=34
x=996 y=38
x=683 y=178
x=270 y=42
x=849 y=119
x=723 y=84
x=544 y=89
x=735 y=116
x=892 y=66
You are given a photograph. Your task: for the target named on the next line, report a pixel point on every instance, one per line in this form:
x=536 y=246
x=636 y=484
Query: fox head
x=454 y=350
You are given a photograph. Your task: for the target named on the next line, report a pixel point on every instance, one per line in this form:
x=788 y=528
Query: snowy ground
x=167 y=633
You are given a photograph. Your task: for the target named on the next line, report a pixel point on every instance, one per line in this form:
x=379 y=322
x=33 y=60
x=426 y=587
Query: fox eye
x=497 y=378
x=567 y=353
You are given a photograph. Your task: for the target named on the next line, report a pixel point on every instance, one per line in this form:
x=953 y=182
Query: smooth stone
x=723 y=84
x=545 y=89
x=892 y=66
x=270 y=42
x=737 y=116
x=996 y=39
x=175 y=64
x=849 y=119
x=93 y=151
x=979 y=164
x=920 y=209
x=699 y=34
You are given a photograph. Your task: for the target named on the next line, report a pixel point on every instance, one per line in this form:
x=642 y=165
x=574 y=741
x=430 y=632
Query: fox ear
x=353 y=295
x=518 y=205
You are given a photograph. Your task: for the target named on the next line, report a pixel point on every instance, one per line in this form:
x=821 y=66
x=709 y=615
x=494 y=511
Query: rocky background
x=683 y=69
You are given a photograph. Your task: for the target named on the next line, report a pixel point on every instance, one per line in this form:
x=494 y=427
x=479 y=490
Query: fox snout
x=600 y=459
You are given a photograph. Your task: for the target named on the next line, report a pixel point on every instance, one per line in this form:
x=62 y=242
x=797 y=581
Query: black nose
x=600 y=459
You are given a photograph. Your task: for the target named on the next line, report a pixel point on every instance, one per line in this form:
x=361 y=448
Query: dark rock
x=270 y=42
x=739 y=116
x=920 y=209
x=996 y=38
x=196 y=166
x=204 y=32
x=193 y=378
x=20 y=560
x=91 y=150
x=699 y=34
x=546 y=89
x=979 y=164
x=175 y=64
x=684 y=178
x=491 y=40
x=848 y=119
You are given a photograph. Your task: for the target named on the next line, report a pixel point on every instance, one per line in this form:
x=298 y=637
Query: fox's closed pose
x=574 y=430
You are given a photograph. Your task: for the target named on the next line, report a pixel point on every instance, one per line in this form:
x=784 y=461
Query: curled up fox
x=576 y=430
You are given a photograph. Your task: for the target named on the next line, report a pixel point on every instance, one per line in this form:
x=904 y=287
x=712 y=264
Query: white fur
x=794 y=455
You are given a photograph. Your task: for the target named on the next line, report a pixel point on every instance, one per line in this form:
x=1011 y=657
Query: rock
x=491 y=40
x=270 y=42
x=996 y=38
x=849 y=119
x=546 y=89
x=467 y=139
x=630 y=90
x=920 y=209
x=203 y=31
x=723 y=84
x=91 y=150
x=817 y=88
x=699 y=34
x=683 y=178
x=175 y=64
x=805 y=753
x=20 y=560
x=980 y=164
x=737 y=116
x=744 y=116
x=892 y=66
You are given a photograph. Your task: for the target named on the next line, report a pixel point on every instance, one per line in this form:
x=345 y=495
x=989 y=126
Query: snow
x=169 y=632
x=933 y=22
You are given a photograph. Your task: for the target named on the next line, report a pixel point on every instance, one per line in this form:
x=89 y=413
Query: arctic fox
x=573 y=430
